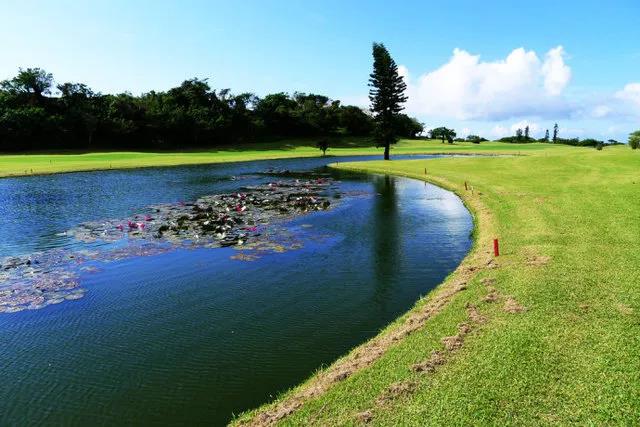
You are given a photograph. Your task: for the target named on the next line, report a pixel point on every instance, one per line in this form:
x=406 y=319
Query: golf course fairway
x=548 y=332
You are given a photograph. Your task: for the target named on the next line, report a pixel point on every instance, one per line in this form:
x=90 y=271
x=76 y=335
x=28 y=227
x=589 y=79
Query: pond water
x=194 y=335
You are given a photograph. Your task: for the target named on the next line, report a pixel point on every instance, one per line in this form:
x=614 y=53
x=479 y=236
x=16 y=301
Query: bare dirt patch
x=492 y=296
x=538 y=260
x=436 y=359
x=474 y=314
x=511 y=305
x=395 y=391
x=625 y=309
x=364 y=417
x=488 y=281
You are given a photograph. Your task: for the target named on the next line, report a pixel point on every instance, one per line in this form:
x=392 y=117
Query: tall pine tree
x=556 y=130
x=386 y=96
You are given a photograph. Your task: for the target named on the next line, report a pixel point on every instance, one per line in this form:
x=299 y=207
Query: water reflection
x=192 y=336
x=386 y=236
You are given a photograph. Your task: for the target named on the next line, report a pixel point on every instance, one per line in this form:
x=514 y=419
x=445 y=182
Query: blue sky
x=575 y=62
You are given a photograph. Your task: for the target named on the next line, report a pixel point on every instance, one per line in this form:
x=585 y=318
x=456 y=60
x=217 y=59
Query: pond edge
x=478 y=259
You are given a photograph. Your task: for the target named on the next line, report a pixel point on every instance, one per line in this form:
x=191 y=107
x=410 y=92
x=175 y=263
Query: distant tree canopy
x=476 y=139
x=522 y=138
x=443 y=133
x=408 y=127
x=386 y=96
x=634 y=140
x=35 y=113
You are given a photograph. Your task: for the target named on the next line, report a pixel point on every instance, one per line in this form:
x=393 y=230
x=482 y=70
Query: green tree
x=442 y=133
x=476 y=139
x=519 y=134
x=354 y=121
x=546 y=135
x=556 y=130
x=323 y=145
x=33 y=82
x=81 y=112
x=386 y=96
x=526 y=132
x=408 y=127
x=634 y=140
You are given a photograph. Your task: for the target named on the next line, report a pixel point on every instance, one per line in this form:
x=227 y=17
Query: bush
x=590 y=142
x=475 y=139
x=634 y=140
x=517 y=140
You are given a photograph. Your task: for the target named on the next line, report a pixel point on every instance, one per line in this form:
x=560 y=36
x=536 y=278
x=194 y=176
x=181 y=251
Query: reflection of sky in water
x=191 y=335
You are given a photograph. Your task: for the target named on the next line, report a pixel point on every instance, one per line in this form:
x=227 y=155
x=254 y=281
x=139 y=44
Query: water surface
x=192 y=336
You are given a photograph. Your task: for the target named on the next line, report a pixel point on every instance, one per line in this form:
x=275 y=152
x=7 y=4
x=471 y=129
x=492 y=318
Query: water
x=192 y=336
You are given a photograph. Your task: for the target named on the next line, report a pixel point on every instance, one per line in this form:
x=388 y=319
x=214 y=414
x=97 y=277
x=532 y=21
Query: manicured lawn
x=27 y=164
x=547 y=333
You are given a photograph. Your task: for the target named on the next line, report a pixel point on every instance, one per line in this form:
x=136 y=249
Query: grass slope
x=548 y=333
x=28 y=164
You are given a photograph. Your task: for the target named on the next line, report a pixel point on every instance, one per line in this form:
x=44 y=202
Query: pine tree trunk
x=386 y=151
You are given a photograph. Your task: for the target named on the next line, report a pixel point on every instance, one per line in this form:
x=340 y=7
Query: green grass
x=573 y=357
x=28 y=164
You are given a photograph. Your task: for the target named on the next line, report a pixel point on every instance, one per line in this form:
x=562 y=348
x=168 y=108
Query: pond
x=190 y=334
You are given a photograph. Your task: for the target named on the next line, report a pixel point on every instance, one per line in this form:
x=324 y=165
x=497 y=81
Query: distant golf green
x=546 y=333
x=28 y=164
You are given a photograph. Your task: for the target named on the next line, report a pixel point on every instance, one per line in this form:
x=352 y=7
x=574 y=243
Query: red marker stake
x=496 y=247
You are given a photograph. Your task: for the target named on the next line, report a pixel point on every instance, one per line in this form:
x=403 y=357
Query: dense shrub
x=634 y=140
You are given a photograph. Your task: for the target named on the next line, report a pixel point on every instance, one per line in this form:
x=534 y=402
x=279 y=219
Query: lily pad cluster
x=248 y=220
x=35 y=281
x=221 y=219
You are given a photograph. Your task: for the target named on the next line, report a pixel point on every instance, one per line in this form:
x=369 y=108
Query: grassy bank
x=547 y=333
x=33 y=164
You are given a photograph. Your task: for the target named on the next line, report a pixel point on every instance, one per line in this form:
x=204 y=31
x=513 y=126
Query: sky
x=480 y=67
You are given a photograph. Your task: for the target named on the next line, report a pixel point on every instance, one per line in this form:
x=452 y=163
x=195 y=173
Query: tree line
x=36 y=114
x=522 y=137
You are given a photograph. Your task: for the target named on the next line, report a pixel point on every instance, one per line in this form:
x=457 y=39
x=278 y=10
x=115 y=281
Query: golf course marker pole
x=496 y=247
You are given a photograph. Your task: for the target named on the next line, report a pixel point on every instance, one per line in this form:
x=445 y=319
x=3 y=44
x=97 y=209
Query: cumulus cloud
x=533 y=127
x=555 y=72
x=499 y=131
x=502 y=130
x=630 y=96
x=624 y=103
x=467 y=88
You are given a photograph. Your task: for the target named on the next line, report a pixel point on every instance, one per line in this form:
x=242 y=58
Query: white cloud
x=624 y=103
x=556 y=73
x=600 y=111
x=533 y=127
x=630 y=95
x=500 y=131
x=466 y=88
